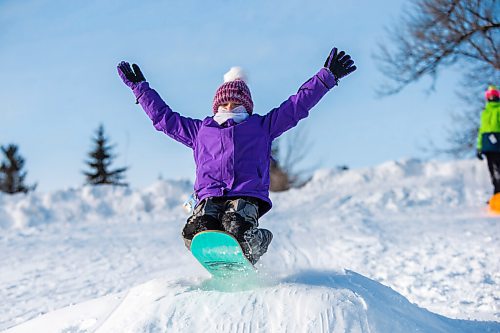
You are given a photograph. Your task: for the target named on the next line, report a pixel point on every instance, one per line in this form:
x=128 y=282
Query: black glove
x=479 y=154
x=130 y=75
x=339 y=63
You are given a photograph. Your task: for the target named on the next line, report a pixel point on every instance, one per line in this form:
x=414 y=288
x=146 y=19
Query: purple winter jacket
x=233 y=160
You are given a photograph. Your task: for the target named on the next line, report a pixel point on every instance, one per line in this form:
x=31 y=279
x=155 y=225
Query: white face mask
x=238 y=114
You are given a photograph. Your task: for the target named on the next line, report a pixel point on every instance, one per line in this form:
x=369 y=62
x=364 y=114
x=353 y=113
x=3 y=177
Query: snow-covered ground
x=402 y=247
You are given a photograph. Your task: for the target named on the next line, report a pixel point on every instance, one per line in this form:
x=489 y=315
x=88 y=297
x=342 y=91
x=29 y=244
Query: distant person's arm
x=479 y=141
x=182 y=129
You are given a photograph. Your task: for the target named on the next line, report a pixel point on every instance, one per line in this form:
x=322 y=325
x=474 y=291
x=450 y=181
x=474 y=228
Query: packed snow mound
x=309 y=302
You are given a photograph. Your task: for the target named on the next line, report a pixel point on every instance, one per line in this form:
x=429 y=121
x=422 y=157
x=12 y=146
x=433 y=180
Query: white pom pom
x=235 y=73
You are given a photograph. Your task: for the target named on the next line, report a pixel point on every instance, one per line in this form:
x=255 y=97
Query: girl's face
x=229 y=106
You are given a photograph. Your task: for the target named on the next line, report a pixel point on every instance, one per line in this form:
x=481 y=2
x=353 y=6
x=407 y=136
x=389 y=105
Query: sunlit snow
x=405 y=246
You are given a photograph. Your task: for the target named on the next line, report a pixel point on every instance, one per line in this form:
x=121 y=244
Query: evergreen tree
x=11 y=172
x=100 y=161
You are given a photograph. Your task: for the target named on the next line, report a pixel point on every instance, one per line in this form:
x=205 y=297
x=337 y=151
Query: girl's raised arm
x=296 y=107
x=182 y=129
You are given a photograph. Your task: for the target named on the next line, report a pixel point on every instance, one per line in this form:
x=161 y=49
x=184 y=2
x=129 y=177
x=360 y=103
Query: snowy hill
x=402 y=247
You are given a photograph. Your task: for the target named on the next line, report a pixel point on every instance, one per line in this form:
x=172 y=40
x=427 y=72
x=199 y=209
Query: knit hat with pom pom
x=234 y=89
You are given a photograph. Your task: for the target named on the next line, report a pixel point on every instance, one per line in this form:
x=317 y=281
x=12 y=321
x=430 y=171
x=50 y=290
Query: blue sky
x=59 y=80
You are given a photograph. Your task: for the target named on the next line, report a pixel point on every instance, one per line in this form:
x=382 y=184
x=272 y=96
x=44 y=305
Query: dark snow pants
x=236 y=216
x=494 y=168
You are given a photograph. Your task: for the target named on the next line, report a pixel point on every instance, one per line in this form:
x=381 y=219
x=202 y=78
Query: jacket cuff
x=140 y=89
x=327 y=77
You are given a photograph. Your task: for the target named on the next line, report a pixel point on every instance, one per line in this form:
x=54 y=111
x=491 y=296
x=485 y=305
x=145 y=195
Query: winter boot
x=253 y=241
x=198 y=224
x=241 y=221
x=256 y=243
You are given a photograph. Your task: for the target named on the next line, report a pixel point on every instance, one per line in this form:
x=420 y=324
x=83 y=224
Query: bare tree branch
x=434 y=34
x=288 y=153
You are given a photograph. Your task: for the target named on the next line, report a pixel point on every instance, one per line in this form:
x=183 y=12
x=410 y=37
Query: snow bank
x=402 y=186
x=393 y=186
x=104 y=203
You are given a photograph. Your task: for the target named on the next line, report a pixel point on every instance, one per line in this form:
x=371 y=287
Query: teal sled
x=221 y=255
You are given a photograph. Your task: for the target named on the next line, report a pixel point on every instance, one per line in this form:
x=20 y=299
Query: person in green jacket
x=488 y=139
